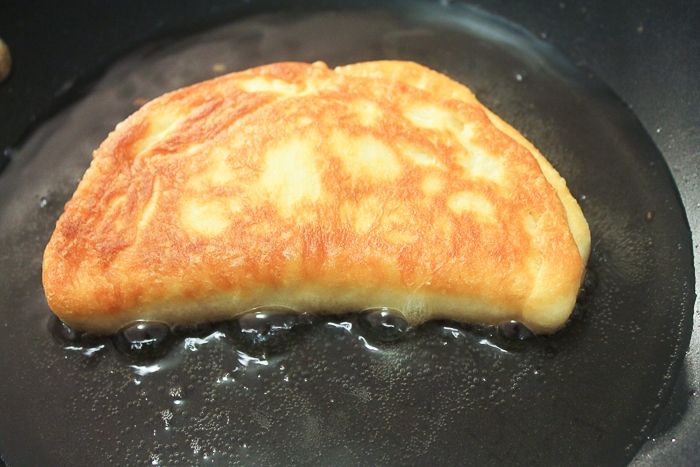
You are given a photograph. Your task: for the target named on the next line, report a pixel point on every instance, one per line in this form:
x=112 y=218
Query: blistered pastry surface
x=375 y=184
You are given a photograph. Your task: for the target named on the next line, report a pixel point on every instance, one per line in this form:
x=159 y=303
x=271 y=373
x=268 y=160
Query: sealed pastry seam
x=378 y=184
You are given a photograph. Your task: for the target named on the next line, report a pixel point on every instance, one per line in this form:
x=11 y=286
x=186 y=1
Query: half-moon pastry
x=379 y=184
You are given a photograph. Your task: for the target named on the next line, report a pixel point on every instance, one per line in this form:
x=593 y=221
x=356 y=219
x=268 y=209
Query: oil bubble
x=384 y=324
x=512 y=336
x=73 y=338
x=64 y=333
x=267 y=330
x=514 y=330
x=144 y=340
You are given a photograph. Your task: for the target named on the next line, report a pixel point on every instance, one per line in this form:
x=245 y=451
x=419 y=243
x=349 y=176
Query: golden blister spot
x=361 y=216
x=367 y=113
x=479 y=164
x=530 y=221
x=432 y=117
x=472 y=202
x=290 y=175
x=420 y=157
x=365 y=157
x=218 y=174
x=161 y=123
x=206 y=217
x=117 y=202
x=235 y=205
x=267 y=84
x=431 y=184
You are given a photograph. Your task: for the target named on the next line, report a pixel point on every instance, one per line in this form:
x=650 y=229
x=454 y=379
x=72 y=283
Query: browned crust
x=126 y=249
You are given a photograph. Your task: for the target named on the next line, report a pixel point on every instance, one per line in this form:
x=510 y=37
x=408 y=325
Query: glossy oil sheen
x=445 y=394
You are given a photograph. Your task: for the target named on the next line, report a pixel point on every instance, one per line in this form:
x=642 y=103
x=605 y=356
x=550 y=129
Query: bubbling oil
x=257 y=355
x=267 y=331
x=246 y=376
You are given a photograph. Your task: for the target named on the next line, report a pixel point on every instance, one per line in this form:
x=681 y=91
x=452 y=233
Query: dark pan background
x=647 y=51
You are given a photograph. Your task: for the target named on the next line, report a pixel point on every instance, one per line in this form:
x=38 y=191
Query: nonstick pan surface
x=335 y=394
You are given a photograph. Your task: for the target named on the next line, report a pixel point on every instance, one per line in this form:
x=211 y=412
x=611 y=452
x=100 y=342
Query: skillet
x=448 y=393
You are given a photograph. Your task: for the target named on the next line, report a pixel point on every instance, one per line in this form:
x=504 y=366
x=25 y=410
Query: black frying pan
x=333 y=393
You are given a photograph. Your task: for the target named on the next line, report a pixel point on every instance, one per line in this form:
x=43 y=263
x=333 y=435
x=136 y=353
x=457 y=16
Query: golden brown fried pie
x=380 y=184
